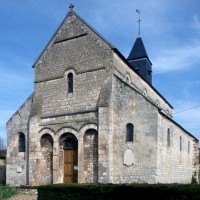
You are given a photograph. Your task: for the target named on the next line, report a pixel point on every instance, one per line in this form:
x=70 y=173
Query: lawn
x=6 y=191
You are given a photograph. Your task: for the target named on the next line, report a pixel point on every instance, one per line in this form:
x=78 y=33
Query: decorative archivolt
x=67 y=130
x=56 y=135
x=47 y=131
x=86 y=127
x=44 y=132
x=70 y=71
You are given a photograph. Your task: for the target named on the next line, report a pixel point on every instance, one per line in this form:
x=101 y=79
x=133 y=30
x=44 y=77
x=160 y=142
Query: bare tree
x=2 y=144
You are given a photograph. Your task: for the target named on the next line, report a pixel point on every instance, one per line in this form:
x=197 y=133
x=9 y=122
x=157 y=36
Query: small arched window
x=129 y=132
x=168 y=137
x=70 y=83
x=21 y=143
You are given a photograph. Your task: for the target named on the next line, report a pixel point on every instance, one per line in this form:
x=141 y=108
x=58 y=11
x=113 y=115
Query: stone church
x=95 y=117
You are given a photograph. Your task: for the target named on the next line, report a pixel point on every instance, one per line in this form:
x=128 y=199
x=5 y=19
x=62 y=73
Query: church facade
x=94 y=116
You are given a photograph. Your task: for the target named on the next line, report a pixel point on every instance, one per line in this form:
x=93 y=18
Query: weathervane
x=138 y=11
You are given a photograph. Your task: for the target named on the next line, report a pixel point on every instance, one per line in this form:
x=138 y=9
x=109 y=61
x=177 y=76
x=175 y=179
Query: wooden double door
x=70 y=165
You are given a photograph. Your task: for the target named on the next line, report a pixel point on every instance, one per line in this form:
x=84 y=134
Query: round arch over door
x=69 y=144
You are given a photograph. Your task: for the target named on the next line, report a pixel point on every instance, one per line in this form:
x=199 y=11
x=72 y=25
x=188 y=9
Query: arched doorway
x=69 y=144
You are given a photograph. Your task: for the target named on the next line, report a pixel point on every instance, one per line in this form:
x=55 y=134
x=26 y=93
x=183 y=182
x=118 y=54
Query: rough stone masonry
x=93 y=117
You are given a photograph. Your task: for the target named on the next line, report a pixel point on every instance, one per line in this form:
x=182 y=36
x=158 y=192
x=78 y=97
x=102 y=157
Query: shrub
x=117 y=191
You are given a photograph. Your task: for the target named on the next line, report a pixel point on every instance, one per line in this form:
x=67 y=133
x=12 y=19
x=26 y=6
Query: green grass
x=7 y=191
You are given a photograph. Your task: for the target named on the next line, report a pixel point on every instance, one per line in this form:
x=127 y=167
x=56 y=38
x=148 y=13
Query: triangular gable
x=67 y=31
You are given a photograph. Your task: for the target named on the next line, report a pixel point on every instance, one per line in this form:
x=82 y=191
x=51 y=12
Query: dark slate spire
x=138 y=51
x=139 y=60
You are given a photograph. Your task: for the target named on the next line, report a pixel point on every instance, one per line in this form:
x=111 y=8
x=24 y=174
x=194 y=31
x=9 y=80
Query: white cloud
x=176 y=58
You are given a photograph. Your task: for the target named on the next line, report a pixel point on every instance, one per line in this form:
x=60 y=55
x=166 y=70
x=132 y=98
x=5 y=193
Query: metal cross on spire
x=71 y=7
x=138 y=11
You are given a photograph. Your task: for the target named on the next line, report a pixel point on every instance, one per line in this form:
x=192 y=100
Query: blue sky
x=170 y=30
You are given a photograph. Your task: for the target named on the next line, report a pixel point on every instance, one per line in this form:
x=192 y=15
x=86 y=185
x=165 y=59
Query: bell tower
x=139 y=59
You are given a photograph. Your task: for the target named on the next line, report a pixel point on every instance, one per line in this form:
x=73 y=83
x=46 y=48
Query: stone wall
x=56 y=101
x=135 y=101
x=16 y=161
x=177 y=154
x=43 y=168
x=91 y=156
x=133 y=79
x=76 y=49
x=129 y=106
x=75 y=46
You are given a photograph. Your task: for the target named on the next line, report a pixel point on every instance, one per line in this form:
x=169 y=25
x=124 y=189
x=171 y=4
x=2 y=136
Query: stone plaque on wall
x=128 y=157
x=19 y=169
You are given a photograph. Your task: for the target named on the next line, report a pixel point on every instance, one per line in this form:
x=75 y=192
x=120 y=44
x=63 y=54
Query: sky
x=170 y=30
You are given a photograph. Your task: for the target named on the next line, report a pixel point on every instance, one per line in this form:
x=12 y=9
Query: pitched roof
x=138 y=51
